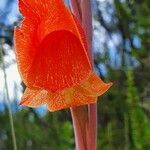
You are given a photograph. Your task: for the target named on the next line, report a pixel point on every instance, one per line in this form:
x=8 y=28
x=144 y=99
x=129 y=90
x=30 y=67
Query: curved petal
x=85 y=93
x=51 y=48
x=59 y=63
x=34 y=97
x=82 y=94
x=28 y=11
x=93 y=87
x=25 y=47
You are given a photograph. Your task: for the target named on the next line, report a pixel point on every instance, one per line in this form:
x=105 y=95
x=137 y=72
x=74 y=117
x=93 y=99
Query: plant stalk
x=82 y=10
x=92 y=108
x=80 y=124
x=8 y=101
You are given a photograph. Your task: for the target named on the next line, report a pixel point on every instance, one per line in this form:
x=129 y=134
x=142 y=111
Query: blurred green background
x=121 y=47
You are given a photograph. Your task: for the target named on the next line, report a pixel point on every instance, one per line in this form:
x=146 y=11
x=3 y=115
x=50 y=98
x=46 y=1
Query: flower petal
x=93 y=87
x=25 y=49
x=76 y=99
x=51 y=50
x=82 y=94
x=34 y=97
x=60 y=63
x=85 y=93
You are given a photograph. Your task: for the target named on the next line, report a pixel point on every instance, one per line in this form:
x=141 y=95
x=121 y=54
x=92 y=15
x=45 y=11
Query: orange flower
x=53 y=57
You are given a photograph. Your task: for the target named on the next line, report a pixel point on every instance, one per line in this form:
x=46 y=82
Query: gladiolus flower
x=53 y=57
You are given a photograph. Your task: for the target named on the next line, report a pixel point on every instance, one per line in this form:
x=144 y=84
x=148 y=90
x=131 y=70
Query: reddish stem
x=87 y=24
x=76 y=9
x=92 y=108
x=92 y=132
x=80 y=124
x=85 y=131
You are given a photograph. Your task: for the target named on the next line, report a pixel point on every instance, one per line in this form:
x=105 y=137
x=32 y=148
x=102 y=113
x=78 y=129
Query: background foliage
x=122 y=54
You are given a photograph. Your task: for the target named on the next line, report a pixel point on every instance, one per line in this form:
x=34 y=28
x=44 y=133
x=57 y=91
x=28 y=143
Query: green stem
x=8 y=102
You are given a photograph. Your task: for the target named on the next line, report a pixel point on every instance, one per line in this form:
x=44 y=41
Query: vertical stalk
x=79 y=114
x=87 y=25
x=8 y=101
x=76 y=9
x=92 y=133
x=82 y=10
x=80 y=124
